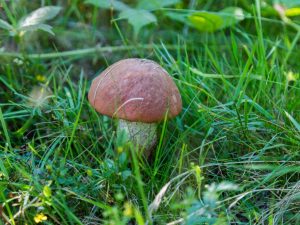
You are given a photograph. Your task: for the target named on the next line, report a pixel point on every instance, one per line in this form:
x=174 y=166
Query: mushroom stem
x=142 y=134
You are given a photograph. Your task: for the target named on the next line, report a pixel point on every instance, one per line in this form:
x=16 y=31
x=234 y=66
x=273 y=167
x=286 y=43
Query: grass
x=230 y=157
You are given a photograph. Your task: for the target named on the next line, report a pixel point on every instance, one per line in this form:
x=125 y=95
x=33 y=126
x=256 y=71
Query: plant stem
x=82 y=52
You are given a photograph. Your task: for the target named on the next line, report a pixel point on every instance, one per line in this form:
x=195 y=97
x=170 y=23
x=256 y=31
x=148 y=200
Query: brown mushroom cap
x=135 y=90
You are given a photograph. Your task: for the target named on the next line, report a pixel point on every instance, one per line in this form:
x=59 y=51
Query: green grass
x=230 y=157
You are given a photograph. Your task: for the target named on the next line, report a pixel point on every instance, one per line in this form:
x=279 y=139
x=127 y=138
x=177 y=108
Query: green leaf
x=210 y=21
x=206 y=21
x=231 y=16
x=35 y=27
x=125 y=174
x=295 y=123
x=35 y=20
x=155 y=4
x=138 y=18
x=288 y=3
x=292 y=12
x=40 y=16
x=3 y=169
x=181 y=17
x=5 y=25
x=108 y=4
x=138 y=217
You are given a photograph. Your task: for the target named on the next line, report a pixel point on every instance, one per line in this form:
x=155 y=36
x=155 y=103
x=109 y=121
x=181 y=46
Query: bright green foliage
x=210 y=21
x=205 y=21
x=108 y=4
x=288 y=3
x=138 y=18
x=5 y=25
x=32 y=22
x=156 y=4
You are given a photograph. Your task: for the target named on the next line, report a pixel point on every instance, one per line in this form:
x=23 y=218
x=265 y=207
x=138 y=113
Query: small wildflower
x=49 y=168
x=120 y=149
x=19 y=62
x=192 y=165
x=47 y=191
x=39 y=96
x=21 y=34
x=198 y=174
x=89 y=172
x=290 y=76
x=128 y=209
x=40 y=218
x=119 y=196
x=40 y=78
x=239 y=14
x=197 y=169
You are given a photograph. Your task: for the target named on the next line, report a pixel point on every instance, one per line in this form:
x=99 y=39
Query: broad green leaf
x=231 y=16
x=210 y=21
x=288 y=3
x=292 y=12
x=138 y=18
x=5 y=25
x=181 y=17
x=35 y=27
x=108 y=4
x=155 y=4
x=206 y=21
x=39 y=16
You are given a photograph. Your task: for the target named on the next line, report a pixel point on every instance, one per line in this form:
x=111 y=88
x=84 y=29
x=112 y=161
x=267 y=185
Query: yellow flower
x=40 y=218
x=40 y=78
x=128 y=209
x=291 y=76
x=120 y=149
x=89 y=172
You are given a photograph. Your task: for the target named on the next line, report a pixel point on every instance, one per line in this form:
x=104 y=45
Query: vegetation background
x=231 y=156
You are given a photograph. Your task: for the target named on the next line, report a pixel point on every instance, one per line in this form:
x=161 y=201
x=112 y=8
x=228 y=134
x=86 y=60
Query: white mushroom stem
x=142 y=134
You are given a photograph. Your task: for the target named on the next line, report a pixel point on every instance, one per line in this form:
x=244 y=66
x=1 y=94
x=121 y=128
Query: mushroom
x=140 y=93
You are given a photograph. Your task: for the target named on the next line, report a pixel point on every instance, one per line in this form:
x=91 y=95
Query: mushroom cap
x=135 y=90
